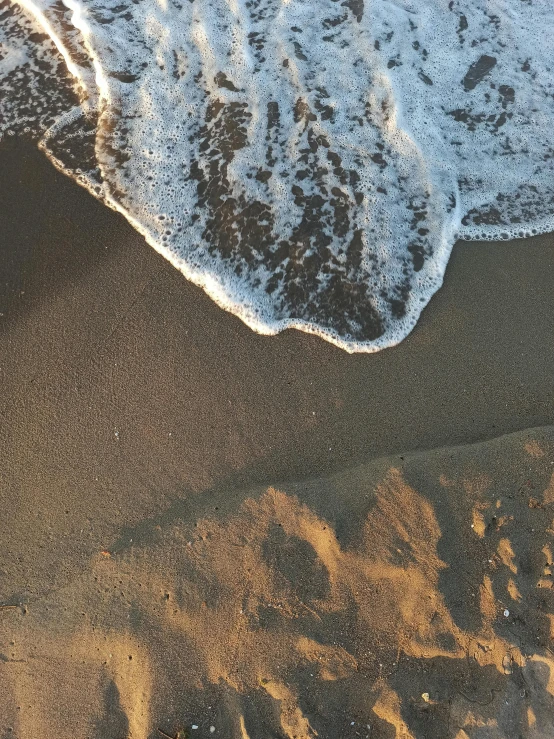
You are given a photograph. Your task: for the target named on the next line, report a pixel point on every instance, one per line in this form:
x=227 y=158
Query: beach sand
x=206 y=527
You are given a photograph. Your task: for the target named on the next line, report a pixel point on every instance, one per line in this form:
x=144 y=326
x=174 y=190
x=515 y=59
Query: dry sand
x=205 y=527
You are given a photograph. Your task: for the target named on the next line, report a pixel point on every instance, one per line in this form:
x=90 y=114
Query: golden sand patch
x=282 y=611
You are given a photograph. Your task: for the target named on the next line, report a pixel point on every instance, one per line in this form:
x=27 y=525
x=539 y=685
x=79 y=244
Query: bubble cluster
x=309 y=165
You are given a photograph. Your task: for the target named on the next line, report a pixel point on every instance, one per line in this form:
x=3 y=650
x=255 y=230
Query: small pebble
x=194 y=726
x=506 y=613
x=212 y=729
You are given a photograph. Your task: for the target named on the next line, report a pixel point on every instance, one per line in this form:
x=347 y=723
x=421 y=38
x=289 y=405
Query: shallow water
x=307 y=164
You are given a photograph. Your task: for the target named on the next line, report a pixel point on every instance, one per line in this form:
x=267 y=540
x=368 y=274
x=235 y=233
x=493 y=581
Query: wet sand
x=194 y=515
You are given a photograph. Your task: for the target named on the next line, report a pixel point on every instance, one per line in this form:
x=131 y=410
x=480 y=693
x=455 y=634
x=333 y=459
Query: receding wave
x=310 y=165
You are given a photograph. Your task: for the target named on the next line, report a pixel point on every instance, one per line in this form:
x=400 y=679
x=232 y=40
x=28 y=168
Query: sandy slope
x=402 y=598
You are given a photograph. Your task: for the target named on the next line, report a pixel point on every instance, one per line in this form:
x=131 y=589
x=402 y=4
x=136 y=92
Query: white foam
x=311 y=164
x=13 y=58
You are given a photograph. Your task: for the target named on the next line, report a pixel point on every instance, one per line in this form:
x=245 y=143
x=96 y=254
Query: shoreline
x=66 y=252
x=409 y=502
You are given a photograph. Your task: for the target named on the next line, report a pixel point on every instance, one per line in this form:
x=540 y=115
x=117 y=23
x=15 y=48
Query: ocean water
x=308 y=163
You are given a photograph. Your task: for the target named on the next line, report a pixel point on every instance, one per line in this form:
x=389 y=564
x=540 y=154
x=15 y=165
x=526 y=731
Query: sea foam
x=309 y=164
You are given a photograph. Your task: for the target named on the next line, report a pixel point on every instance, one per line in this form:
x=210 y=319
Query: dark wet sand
x=101 y=332
x=126 y=391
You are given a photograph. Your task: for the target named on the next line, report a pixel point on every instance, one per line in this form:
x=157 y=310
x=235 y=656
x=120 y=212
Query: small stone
x=212 y=729
x=194 y=726
x=506 y=613
x=425 y=697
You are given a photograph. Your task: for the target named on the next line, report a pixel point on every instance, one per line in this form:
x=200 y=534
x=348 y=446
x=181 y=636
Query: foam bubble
x=310 y=164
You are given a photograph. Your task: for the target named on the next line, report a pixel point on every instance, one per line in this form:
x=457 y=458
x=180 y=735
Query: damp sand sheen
x=308 y=164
